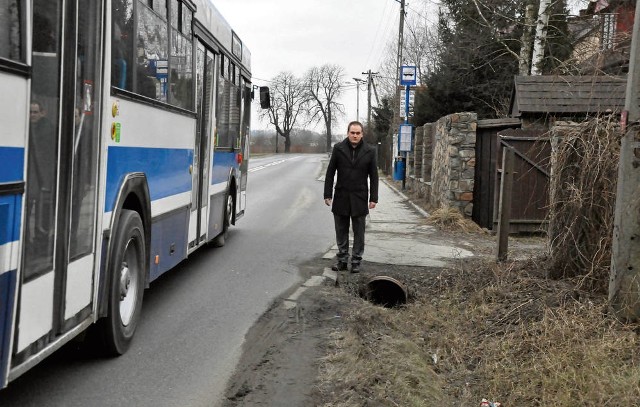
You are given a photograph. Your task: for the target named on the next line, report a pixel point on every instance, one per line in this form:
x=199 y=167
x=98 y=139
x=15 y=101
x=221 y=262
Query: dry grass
x=379 y=362
x=452 y=220
x=484 y=330
x=581 y=213
x=525 y=333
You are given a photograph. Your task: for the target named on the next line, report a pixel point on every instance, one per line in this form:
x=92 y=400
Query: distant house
x=602 y=37
x=537 y=100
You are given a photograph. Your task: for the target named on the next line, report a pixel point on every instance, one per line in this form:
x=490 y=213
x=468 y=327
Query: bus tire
x=221 y=239
x=126 y=285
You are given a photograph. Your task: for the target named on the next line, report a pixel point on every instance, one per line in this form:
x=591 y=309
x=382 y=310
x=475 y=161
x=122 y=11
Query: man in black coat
x=355 y=162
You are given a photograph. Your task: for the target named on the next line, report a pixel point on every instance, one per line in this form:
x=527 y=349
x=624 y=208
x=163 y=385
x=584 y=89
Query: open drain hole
x=386 y=291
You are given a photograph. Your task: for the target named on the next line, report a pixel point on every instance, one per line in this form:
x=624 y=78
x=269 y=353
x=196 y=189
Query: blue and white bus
x=123 y=148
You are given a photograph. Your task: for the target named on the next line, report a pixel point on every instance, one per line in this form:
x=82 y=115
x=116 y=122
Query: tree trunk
x=541 y=37
x=525 y=51
x=327 y=125
x=287 y=144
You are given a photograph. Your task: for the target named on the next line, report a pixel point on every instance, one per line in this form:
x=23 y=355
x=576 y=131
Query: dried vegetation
x=583 y=188
x=535 y=332
x=451 y=219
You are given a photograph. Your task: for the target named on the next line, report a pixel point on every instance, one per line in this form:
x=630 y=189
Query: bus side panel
x=169 y=181
x=168 y=235
x=224 y=164
x=166 y=169
x=9 y=231
x=14 y=111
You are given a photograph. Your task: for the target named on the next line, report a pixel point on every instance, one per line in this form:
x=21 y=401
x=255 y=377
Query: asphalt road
x=195 y=317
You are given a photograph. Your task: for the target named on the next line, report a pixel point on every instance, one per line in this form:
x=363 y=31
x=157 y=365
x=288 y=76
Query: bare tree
x=287 y=102
x=420 y=47
x=324 y=85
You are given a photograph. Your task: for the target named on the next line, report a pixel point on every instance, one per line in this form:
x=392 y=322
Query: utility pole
x=398 y=161
x=375 y=93
x=624 y=280
x=400 y=45
x=541 y=37
x=400 y=41
x=358 y=82
x=369 y=85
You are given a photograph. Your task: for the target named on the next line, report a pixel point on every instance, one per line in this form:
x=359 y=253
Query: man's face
x=35 y=113
x=355 y=134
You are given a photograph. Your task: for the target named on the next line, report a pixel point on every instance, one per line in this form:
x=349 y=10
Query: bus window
x=234 y=108
x=10 y=30
x=86 y=131
x=42 y=160
x=223 y=140
x=187 y=17
x=152 y=55
x=246 y=108
x=159 y=6
x=122 y=44
x=181 y=78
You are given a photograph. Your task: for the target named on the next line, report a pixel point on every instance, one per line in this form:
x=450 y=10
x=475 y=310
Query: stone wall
x=427 y=151
x=418 y=146
x=447 y=153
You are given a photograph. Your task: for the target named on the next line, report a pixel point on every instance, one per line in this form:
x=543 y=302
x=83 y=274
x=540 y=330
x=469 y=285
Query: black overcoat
x=352 y=195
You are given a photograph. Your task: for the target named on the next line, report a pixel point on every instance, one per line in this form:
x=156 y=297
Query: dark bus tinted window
x=11 y=30
x=152 y=65
x=144 y=62
x=122 y=44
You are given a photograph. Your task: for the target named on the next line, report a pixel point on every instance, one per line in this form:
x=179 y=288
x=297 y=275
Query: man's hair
x=355 y=123
x=37 y=102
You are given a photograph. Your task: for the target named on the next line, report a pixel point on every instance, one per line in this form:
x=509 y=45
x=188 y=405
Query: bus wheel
x=221 y=239
x=126 y=284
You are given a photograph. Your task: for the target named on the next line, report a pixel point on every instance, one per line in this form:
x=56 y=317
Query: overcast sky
x=295 y=35
x=288 y=35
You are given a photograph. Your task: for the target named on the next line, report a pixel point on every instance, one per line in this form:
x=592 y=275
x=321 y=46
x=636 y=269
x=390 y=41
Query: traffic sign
x=403 y=102
x=405 y=137
x=408 y=76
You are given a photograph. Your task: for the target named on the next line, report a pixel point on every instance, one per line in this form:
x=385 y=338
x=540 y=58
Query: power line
x=261 y=80
x=378 y=31
x=385 y=39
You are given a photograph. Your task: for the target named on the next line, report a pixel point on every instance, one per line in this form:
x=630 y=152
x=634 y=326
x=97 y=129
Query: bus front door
x=205 y=69
x=57 y=279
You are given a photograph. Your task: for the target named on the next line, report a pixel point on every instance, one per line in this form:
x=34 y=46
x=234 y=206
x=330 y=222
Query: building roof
x=567 y=94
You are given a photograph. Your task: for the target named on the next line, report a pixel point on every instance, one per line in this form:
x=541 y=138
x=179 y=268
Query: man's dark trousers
x=342 y=237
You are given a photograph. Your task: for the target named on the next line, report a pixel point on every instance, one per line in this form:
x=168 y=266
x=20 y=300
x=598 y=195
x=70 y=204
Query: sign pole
x=408 y=78
x=406 y=121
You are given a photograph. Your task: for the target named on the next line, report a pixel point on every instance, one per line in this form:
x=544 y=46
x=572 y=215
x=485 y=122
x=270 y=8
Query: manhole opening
x=386 y=291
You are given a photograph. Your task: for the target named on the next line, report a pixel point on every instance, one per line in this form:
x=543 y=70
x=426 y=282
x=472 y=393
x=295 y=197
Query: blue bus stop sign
x=408 y=76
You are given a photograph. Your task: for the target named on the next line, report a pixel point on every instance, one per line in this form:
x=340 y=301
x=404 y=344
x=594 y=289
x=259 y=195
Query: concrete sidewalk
x=397 y=234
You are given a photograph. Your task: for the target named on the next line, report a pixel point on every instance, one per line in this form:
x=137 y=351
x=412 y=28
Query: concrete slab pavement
x=397 y=234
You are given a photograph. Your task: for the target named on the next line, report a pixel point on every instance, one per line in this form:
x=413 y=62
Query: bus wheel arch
x=229 y=215
x=130 y=236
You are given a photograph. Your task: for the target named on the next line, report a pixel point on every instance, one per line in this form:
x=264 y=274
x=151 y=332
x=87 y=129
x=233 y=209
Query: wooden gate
x=530 y=194
x=484 y=188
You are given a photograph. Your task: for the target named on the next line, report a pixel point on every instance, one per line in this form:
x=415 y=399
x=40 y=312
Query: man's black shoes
x=339 y=266
x=342 y=266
